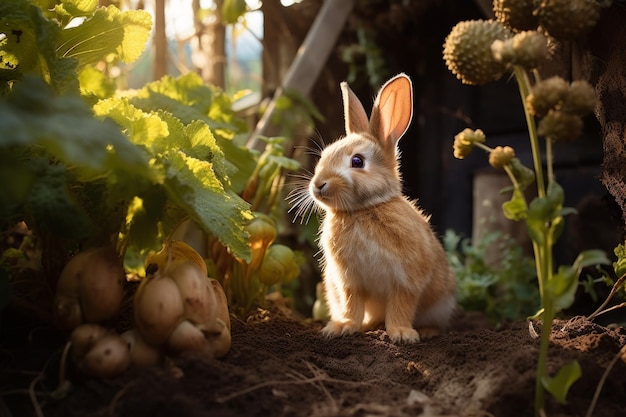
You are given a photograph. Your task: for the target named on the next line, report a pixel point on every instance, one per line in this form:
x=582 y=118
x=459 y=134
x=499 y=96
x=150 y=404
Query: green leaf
x=555 y=195
x=524 y=175
x=562 y=287
x=620 y=265
x=51 y=204
x=515 y=208
x=143 y=216
x=108 y=31
x=19 y=40
x=64 y=125
x=590 y=258
x=536 y=220
x=79 y=8
x=192 y=184
x=142 y=128
x=95 y=83
x=560 y=384
x=17 y=180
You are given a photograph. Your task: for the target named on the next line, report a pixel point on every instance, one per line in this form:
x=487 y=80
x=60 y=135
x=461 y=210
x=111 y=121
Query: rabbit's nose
x=320 y=186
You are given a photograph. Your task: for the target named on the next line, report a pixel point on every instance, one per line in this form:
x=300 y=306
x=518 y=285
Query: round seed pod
x=467 y=51
x=516 y=14
x=567 y=19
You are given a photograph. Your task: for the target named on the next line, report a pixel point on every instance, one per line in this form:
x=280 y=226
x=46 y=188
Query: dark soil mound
x=282 y=367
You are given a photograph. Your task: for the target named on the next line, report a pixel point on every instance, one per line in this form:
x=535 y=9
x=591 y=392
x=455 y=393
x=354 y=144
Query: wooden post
x=160 y=41
x=309 y=62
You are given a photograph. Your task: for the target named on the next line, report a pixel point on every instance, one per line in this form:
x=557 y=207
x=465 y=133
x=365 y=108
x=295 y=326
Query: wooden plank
x=309 y=62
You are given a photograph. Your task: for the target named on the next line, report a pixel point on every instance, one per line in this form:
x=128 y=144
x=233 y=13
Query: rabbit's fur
x=382 y=263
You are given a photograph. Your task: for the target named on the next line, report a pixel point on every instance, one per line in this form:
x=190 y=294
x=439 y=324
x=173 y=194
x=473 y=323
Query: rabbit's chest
x=362 y=256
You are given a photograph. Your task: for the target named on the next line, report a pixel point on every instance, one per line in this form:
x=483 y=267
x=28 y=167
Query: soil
x=281 y=366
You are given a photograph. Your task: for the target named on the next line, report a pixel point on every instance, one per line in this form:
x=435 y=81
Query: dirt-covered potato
x=182 y=309
x=89 y=289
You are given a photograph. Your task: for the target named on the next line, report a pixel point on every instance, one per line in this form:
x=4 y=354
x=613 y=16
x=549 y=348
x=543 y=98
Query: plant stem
x=610 y=296
x=546 y=328
x=549 y=160
x=524 y=88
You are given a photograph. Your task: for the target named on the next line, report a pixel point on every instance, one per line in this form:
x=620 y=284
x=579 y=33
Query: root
x=318 y=379
x=33 y=395
x=600 y=310
x=605 y=375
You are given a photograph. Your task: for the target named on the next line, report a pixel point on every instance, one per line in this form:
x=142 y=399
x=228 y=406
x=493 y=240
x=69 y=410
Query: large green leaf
x=64 y=125
x=192 y=184
x=189 y=99
x=143 y=128
x=107 y=31
x=51 y=204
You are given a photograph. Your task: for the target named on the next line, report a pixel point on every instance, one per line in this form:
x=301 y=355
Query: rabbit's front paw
x=403 y=334
x=340 y=328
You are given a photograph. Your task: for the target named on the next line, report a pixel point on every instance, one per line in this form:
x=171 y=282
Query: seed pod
x=467 y=51
x=568 y=19
x=516 y=14
x=279 y=265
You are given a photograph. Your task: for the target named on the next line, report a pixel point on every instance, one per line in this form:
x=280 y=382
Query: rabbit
x=381 y=262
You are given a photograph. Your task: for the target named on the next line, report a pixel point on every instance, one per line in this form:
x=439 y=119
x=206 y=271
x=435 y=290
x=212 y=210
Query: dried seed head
x=501 y=156
x=465 y=140
x=581 y=98
x=528 y=49
x=546 y=95
x=467 y=51
x=516 y=14
x=560 y=126
x=567 y=19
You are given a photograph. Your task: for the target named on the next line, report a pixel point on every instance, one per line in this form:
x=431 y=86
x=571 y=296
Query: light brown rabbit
x=382 y=263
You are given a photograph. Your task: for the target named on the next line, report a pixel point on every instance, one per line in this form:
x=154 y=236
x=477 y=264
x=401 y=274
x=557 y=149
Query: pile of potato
x=177 y=308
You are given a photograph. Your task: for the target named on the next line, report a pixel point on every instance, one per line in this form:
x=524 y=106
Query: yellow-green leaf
x=108 y=31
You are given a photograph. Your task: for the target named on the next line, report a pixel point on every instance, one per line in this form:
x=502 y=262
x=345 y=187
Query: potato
x=141 y=353
x=110 y=356
x=158 y=309
x=89 y=289
x=83 y=339
x=214 y=342
x=181 y=309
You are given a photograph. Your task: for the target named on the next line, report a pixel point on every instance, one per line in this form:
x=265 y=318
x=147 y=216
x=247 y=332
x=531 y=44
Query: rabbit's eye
x=357 y=161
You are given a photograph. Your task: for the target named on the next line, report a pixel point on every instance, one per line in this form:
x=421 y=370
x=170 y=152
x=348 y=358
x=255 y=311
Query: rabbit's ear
x=393 y=110
x=353 y=111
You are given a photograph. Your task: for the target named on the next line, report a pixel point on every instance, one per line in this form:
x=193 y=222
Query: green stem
x=546 y=328
x=524 y=88
x=549 y=160
x=483 y=147
x=509 y=172
x=547 y=303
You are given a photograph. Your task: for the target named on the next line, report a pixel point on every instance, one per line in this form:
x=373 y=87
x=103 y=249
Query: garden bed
x=279 y=366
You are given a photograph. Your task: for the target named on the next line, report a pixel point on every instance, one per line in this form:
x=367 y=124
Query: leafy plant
x=271 y=264
x=503 y=292
x=89 y=165
x=478 y=52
